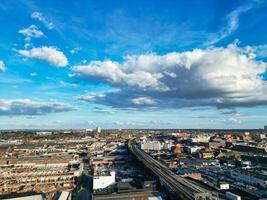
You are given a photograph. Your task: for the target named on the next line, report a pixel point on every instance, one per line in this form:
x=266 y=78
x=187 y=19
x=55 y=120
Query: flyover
x=182 y=188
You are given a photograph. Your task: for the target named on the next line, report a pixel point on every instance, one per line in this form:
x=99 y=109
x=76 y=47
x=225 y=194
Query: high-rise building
x=265 y=128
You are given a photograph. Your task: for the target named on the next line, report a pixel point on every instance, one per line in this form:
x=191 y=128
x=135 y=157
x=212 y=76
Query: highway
x=183 y=188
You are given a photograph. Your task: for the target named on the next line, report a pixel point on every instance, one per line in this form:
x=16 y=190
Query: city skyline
x=133 y=64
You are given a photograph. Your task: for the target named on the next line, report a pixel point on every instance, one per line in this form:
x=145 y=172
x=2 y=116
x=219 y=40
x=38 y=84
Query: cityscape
x=133 y=164
x=133 y=100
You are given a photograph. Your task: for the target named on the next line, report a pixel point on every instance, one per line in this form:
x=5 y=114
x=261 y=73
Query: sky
x=133 y=64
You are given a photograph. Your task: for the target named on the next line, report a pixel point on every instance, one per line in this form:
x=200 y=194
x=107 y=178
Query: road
x=183 y=188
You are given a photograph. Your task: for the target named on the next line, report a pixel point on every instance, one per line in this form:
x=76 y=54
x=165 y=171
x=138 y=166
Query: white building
x=192 y=149
x=263 y=136
x=224 y=186
x=199 y=139
x=98 y=129
x=232 y=196
x=104 y=181
x=31 y=197
x=151 y=146
x=43 y=133
x=10 y=142
x=65 y=195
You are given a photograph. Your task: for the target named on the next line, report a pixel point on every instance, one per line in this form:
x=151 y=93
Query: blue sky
x=133 y=64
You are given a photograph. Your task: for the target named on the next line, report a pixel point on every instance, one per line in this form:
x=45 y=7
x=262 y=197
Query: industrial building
x=104 y=180
x=151 y=146
x=250 y=177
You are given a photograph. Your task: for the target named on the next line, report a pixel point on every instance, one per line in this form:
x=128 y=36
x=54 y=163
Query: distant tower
x=98 y=129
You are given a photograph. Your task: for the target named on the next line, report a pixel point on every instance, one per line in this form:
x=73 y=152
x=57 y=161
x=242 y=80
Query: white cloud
x=235 y=120
x=104 y=110
x=29 y=107
x=113 y=72
x=233 y=19
x=39 y=16
x=33 y=74
x=261 y=50
x=143 y=101
x=142 y=123
x=2 y=66
x=75 y=50
x=232 y=22
x=31 y=32
x=49 y=54
x=84 y=61
x=66 y=84
x=218 y=76
x=91 y=97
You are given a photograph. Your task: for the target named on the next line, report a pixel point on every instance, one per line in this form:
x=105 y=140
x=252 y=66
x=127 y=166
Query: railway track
x=183 y=188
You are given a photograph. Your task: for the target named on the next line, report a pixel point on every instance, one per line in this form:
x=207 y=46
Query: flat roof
x=128 y=196
x=32 y=197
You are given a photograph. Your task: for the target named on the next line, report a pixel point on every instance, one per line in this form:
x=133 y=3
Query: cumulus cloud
x=29 y=107
x=224 y=77
x=261 y=50
x=2 y=66
x=113 y=72
x=39 y=16
x=51 y=55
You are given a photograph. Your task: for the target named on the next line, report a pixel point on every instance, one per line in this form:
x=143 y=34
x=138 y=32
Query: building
x=203 y=139
x=265 y=128
x=45 y=175
x=232 y=196
x=151 y=146
x=104 y=181
x=10 y=142
x=64 y=195
x=247 y=136
x=244 y=147
x=177 y=150
x=181 y=135
x=44 y=133
x=223 y=186
x=167 y=146
x=138 y=195
x=192 y=149
x=250 y=177
x=98 y=129
x=263 y=136
x=29 y=197
x=217 y=144
x=187 y=172
x=206 y=154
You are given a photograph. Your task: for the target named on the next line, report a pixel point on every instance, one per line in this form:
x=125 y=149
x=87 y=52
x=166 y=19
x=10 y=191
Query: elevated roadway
x=182 y=188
